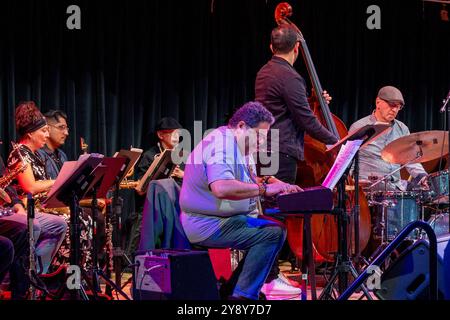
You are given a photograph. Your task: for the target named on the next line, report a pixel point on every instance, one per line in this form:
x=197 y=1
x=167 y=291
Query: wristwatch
x=266 y=179
x=262 y=188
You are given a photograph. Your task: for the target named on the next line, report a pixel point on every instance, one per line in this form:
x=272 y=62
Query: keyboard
x=312 y=200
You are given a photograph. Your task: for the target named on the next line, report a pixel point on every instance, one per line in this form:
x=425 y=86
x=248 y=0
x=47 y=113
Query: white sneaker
x=286 y=280
x=278 y=287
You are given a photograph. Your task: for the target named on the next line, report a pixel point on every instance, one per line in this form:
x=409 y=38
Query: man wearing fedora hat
x=388 y=102
x=167 y=136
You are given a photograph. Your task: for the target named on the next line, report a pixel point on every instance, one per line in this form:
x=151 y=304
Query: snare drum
x=438 y=183
x=391 y=211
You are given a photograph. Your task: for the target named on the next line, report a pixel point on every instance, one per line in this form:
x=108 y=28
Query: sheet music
x=342 y=162
x=134 y=154
x=67 y=170
x=143 y=182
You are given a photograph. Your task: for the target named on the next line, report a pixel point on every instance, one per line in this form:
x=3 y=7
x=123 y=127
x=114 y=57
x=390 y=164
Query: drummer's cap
x=391 y=94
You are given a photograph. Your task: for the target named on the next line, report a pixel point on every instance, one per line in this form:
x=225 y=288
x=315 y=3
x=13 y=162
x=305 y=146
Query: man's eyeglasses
x=394 y=105
x=60 y=127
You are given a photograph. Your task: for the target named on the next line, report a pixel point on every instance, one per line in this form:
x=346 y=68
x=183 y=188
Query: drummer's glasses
x=395 y=105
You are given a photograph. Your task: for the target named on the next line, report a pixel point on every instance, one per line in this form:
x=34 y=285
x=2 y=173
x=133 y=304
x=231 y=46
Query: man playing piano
x=220 y=193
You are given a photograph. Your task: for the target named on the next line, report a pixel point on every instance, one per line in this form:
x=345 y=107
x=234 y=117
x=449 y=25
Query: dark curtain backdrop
x=136 y=61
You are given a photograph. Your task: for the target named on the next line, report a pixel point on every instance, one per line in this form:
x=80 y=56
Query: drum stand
x=343 y=265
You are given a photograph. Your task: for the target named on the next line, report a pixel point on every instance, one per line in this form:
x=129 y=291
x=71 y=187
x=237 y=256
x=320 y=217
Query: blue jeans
x=16 y=233
x=6 y=256
x=261 y=239
x=49 y=232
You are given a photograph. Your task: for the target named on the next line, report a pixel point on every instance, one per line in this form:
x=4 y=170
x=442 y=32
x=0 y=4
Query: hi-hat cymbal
x=428 y=145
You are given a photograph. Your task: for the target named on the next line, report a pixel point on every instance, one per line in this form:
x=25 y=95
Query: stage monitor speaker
x=407 y=278
x=174 y=275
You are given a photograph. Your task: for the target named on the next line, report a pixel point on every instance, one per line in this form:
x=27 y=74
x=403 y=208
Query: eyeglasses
x=394 y=105
x=60 y=127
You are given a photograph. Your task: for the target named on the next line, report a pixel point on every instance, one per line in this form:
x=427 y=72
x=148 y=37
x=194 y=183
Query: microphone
x=445 y=102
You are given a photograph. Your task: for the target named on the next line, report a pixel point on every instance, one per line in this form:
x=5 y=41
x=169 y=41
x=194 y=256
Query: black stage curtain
x=134 y=61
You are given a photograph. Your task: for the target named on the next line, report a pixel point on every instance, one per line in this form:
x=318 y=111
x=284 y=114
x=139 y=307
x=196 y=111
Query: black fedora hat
x=168 y=123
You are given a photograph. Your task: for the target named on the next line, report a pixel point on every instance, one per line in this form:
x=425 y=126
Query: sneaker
x=278 y=287
x=288 y=281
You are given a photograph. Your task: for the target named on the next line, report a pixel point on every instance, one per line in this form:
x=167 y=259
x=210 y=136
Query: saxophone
x=39 y=197
x=8 y=178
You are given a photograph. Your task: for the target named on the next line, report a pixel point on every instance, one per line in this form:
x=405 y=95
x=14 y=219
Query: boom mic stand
x=446 y=107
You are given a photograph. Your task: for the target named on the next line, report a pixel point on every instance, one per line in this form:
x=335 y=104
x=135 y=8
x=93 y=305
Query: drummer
x=388 y=103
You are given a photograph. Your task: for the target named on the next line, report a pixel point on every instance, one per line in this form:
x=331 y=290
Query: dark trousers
x=6 y=256
x=17 y=234
x=287 y=172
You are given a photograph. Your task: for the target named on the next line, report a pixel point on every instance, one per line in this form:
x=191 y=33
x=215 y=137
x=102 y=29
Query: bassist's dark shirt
x=283 y=92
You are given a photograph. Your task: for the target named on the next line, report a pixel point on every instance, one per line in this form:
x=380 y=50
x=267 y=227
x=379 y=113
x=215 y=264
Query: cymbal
x=432 y=144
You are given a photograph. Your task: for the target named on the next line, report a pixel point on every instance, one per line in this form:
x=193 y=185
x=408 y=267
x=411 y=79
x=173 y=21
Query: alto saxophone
x=7 y=179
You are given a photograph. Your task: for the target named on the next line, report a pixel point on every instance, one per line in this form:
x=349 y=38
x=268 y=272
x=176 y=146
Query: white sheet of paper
x=343 y=160
x=67 y=170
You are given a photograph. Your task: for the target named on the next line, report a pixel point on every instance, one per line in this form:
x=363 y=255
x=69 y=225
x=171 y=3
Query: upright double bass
x=318 y=162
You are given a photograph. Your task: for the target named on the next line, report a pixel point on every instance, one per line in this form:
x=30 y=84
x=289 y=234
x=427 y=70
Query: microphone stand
x=445 y=107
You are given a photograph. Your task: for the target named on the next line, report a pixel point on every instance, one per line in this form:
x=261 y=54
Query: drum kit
x=392 y=210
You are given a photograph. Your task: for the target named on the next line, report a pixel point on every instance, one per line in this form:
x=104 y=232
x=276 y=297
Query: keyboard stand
x=308 y=266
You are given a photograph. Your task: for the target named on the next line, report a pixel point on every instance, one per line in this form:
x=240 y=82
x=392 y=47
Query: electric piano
x=311 y=200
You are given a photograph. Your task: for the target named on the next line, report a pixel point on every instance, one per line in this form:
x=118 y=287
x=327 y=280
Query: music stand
x=343 y=264
x=77 y=178
x=131 y=158
x=108 y=170
x=368 y=134
x=161 y=168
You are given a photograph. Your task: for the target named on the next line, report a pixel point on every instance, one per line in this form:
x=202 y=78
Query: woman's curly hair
x=27 y=113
